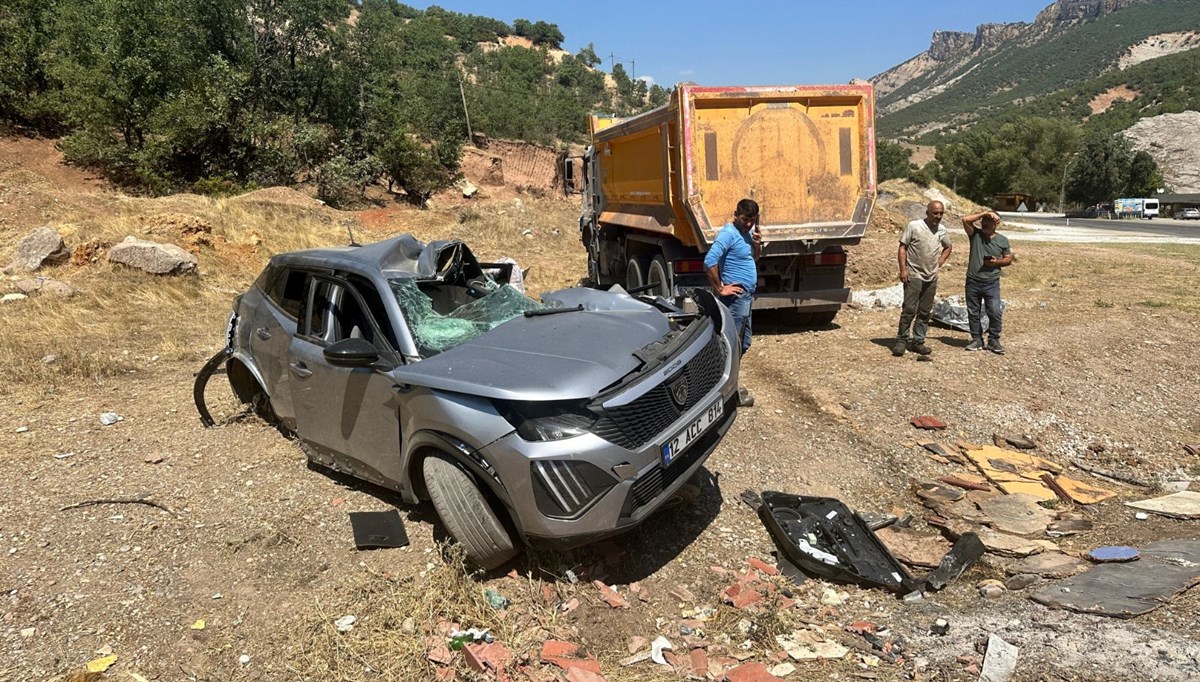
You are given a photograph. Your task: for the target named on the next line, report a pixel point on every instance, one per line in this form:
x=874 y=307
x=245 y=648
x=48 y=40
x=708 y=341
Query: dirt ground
x=251 y=541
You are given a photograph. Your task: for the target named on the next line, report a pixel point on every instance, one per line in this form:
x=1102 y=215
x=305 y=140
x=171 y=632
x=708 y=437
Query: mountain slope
x=965 y=77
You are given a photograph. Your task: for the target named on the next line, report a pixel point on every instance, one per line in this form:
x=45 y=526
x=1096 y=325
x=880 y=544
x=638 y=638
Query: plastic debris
x=198 y=625
x=101 y=664
x=1115 y=554
x=244 y=659
x=110 y=418
x=345 y=623
x=497 y=600
x=657 y=647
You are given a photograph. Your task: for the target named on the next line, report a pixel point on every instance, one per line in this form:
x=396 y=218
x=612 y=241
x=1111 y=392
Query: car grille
x=651 y=484
x=632 y=426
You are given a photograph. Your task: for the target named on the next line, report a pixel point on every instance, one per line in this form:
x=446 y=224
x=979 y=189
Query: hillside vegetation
x=219 y=96
x=1042 y=60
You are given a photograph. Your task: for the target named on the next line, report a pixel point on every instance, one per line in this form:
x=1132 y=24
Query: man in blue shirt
x=730 y=266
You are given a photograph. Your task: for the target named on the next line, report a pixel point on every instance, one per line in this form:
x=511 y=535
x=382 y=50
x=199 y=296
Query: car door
x=349 y=416
x=272 y=327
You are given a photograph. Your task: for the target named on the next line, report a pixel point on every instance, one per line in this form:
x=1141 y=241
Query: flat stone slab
x=1128 y=590
x=1182 y=505
x=1049 y=565
x=914 y=549
x=1017 y=514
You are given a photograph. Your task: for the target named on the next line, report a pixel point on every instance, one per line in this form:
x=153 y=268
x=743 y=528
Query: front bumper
x=647 y=483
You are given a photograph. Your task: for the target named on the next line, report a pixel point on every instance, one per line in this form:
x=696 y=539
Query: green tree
x=25 y=87
x=1101 y=171
x=1144 y=177
x=893 y=160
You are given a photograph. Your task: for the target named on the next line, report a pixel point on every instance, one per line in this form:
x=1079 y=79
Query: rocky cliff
x=1074 y=10
x=1172 y=139
x=948 y=50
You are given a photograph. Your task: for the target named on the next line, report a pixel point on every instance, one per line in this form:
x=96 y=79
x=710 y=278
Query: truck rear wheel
x=657 y=274
x=635 y=272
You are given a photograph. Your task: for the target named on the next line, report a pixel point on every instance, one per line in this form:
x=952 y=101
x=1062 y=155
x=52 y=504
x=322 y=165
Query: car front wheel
x=466 y=513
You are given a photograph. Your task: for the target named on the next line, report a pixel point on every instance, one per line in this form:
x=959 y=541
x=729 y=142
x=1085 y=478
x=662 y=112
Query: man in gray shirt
x=989 y=252
x=924 y=248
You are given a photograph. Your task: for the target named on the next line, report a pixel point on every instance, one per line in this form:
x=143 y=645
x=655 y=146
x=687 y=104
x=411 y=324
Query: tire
x=635 y=273
x=657 y=274
x=466 y=513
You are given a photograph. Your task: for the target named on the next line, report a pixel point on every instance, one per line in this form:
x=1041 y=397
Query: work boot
x=898 y=349
x=995 y=347
x=919 y=348
x=976 y=344
x=745 y=398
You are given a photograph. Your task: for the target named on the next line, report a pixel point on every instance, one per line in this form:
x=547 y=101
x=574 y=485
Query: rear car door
x=272 y=329
x=349 y=416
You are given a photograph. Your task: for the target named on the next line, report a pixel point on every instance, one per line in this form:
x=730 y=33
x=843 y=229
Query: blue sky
x=746 y=42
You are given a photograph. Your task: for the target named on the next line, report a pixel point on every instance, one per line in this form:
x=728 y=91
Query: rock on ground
x=43 y=246
x=157 y=259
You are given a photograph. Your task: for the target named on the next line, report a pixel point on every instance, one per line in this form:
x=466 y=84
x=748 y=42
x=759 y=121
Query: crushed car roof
x=402 y=255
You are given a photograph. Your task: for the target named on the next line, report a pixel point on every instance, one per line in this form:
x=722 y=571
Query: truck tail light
x=689 y=266
x=828 y=258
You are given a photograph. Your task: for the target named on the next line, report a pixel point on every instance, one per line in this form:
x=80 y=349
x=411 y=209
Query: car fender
x=421 y=443
x=243 y=356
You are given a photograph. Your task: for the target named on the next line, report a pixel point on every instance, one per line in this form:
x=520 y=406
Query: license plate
x=677 y=445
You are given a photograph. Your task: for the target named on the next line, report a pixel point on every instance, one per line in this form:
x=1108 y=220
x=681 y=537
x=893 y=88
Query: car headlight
x=542 y=421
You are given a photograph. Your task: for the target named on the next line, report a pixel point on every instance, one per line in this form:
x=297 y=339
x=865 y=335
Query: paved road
x=1159 y=230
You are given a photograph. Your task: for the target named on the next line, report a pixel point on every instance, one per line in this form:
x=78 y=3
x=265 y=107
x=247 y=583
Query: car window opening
x=441 y=316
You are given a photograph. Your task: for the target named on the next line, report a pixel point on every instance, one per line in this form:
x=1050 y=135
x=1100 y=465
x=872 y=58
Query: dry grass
x=1152 y=277
x=121 y=318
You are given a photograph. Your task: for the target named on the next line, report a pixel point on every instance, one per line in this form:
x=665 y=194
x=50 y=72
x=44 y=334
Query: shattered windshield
x=441 y=316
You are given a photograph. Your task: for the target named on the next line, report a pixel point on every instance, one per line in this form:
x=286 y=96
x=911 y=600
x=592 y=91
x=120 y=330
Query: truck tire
x=466 y=513
x=657 y=274
x=635 y=272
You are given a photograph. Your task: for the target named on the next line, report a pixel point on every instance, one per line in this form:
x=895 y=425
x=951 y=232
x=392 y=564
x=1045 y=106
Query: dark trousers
x=984 y=296
x=918 y=306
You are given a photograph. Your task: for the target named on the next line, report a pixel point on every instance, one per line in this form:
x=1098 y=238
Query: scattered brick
x=861 y=627
x=928 y=422
x=750 y=672
x=581 y=675
x=481 y=656
x=699 y=660
x=553 y=648
x=746 y=598
x=440 y=655
x=610 y=596
x=763 y=566
x=683 y=594
x=444 y=674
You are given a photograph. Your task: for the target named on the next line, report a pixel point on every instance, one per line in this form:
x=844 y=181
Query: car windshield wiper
x=552 y=311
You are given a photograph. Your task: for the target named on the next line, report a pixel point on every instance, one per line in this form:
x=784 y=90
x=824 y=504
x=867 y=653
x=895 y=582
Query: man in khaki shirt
x=924 y=248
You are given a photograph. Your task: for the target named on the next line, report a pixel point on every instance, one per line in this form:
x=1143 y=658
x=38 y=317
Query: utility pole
x=467 y=114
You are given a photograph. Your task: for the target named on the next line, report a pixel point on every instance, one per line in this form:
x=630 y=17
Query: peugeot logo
x=679 y=391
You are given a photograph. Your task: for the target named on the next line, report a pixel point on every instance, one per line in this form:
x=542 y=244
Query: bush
x=341 y=180
x=413 y=167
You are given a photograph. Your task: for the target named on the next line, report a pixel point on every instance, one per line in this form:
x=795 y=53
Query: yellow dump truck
x=658 y=186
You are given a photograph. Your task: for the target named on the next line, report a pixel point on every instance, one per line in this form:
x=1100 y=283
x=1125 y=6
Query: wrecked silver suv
x=417 y=368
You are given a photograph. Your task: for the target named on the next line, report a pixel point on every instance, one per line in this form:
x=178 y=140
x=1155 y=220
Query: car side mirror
x=352 y=353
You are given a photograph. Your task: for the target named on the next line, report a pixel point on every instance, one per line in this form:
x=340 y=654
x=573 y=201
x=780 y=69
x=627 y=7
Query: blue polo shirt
x=733 y=254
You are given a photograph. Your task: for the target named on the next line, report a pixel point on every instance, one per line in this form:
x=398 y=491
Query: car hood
x=564 y=356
